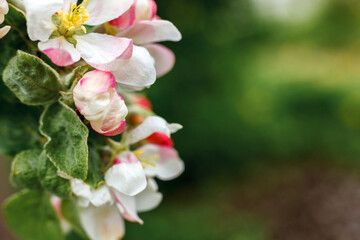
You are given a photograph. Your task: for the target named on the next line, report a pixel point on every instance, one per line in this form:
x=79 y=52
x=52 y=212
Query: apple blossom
x=4 y=9
x=59 y=26
x=141 y=24
x=96 y=98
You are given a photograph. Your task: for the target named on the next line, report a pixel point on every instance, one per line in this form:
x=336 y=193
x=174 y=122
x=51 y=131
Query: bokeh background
x=268 y=93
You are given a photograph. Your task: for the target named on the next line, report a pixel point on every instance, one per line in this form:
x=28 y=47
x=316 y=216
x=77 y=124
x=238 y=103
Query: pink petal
x=164 y=58
x=151 y=31
x=98 y=81
x=113 y=120
x=102 y=11
x=60 y=51
x=125 y=20
x=127 y=206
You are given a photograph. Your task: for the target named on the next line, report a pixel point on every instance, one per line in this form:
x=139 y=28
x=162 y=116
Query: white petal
x=150 y=125
x=4 y=7
x=60 y=51
x=101 y=196
x=174 y=127
x=96 y=48
x=169 y=165
x=164 y=58
x=4 y=31
x=127 y=206
x=102 y=11
x=82 y=190
x=135 y=73
x=38 y=16
x=102 y=223
x=149 y=198
x=145 y=32
x=128 y=176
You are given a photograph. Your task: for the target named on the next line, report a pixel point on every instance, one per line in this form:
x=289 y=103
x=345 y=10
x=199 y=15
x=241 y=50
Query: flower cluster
x=101 y=139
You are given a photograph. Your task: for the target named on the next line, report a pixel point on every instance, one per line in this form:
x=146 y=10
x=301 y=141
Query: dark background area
x=268 y=93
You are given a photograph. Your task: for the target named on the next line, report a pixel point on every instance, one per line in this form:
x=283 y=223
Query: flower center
x=146 y=160
x=72 y=21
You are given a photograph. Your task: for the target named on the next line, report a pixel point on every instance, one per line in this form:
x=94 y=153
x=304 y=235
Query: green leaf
x=67 y=140
x=24 y=169
x=18 y=128
x=95 y=176
x=30 y=215
x=74 y=236
x=70 y=213
x=13 y=41
x=31 y=79
x=49 y=179
x=72 y=78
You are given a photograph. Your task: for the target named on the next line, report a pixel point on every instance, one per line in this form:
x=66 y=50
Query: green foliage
x=95 y=176
x=67 y=140
x=72 y=78
x=31 y=216
x=18 y=128
x=13 y=41
x=49 y=179
x=32 y=169
x=31 y=79
x=74 y=236
x=24 y=170
x=70 y=213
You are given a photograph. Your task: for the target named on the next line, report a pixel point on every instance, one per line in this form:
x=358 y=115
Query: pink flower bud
x=139 y=11
x=96 y=98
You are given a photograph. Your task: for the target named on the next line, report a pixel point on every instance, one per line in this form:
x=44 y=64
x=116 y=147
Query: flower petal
x=127 y=176
x=164 y=58
x=127 y=206
x=38 y=16
x=4 y=7
x=151 y=125
x=102 y=223
x=145 y=32
x=148 y=199
x=96 y=48
x=168 y=167
x=125 y=20
x=101 y=196
x=60 y=51
x=4 y=31
x=92 y=94
x=113 y=121
x=82 y=190
x=135 y=73
x=102 y=11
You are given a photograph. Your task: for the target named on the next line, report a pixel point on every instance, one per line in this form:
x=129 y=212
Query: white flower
x=4 y=9
x=141 y=24
x=96 y=98
x=129 y=183
x=58 y=25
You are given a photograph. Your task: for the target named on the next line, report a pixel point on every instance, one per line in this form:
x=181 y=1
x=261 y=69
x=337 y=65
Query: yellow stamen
x=74 y=18
x=139 y=152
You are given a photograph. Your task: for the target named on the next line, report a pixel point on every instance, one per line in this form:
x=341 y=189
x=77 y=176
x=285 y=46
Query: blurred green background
x=268 y=93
